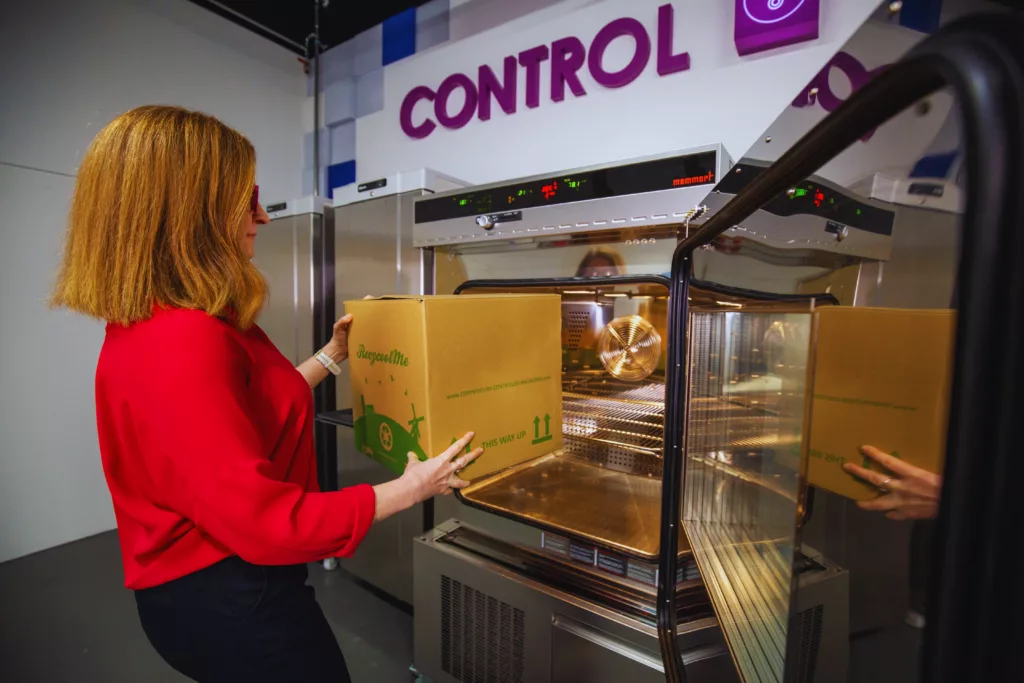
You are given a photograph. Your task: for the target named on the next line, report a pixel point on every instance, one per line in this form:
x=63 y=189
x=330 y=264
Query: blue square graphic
x=340 y=174
x=921 y=15
x=934 y=165
x=399 y=39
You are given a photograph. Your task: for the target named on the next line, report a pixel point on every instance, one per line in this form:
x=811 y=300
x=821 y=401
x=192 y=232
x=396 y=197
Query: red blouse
x=206 y=437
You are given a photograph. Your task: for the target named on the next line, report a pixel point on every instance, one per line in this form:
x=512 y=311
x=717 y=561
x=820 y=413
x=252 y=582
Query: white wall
x=722 y=98
x=469 y=17
x=66 y=68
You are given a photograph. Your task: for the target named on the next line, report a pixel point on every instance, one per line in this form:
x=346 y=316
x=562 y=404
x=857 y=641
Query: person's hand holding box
x=908 y=492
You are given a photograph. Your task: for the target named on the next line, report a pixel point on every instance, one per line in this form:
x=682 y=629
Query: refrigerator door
x=284 y=255
x=373 y=255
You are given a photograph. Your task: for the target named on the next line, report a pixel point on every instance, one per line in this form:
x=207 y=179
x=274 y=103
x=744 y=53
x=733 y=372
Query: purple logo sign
x=565 y=58
x=819 y=91
x=765 y=24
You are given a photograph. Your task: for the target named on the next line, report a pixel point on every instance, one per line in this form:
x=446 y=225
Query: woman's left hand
x=337 y=348
x=907 y=493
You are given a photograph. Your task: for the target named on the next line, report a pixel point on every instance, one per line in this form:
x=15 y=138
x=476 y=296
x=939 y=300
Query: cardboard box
x=881 y=378
x=425 y=370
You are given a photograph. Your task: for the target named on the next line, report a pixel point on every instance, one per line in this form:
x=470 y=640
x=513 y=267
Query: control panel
x=581 y=200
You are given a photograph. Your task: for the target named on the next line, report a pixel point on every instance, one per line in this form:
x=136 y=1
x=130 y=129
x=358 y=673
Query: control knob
x=485 y=222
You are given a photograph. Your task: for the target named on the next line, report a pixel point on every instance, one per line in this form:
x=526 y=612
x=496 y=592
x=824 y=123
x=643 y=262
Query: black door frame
x=979 y=533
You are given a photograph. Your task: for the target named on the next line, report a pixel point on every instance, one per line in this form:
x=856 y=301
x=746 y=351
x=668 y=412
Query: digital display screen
x=647 y=176
x=815 y=199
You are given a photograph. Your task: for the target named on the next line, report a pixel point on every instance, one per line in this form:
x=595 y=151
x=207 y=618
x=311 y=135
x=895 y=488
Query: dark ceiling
x=289 y=22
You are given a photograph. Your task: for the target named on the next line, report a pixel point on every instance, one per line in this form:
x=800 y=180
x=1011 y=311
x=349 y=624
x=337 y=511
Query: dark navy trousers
x=236 y=621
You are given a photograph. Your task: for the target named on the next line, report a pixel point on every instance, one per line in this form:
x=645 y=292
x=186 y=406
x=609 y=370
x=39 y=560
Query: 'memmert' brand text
x=393 y=357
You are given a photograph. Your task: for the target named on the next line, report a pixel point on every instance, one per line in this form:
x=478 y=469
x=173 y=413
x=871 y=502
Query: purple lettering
x=420 y=92
x=504 y=93
x=669 y=63
x=818 y=90
x=530 y=60
x=448 y=86
x=620 y=27
x=567 y=57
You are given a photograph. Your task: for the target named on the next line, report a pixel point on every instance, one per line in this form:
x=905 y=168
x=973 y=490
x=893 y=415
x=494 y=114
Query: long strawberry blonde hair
x=159 y=205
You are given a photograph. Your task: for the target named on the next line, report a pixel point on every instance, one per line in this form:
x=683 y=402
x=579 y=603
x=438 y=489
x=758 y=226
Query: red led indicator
x=549 y=190
x=819 y=197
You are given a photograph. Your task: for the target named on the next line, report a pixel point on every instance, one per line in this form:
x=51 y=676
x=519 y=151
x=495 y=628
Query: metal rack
x=614 y=424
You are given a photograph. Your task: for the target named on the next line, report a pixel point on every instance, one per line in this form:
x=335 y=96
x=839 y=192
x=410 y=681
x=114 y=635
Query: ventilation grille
x=481 y=637
x=576 y=323
x=809 y=623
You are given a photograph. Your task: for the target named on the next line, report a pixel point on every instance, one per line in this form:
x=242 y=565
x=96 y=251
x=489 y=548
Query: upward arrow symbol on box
x=537 y=438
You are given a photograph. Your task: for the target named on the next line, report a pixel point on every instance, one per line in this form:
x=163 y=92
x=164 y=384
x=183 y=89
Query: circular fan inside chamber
x=629 y=348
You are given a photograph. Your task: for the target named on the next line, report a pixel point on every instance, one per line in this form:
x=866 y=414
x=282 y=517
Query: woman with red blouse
x=205 y=429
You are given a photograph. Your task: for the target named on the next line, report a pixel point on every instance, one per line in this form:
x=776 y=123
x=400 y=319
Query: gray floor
x=64 y=616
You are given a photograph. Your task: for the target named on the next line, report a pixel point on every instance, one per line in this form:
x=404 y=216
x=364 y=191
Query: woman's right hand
x=424 y=479
x=438 y=476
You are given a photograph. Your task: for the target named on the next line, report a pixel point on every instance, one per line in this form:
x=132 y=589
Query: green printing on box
x=385 y=439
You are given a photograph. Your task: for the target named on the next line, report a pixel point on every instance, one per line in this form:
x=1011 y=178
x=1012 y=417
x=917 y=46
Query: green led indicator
x=522 y=192
x=462 y=202
x=799 y=192
x=858 y=212
x=831 y=201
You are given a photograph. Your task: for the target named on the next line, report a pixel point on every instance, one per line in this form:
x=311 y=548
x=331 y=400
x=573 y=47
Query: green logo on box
x=392 y=357
x=385 y=439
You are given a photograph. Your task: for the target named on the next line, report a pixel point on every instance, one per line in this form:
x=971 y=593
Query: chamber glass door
x=745 y=457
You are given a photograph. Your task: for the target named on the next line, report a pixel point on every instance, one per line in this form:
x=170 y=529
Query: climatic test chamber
x=572 y=552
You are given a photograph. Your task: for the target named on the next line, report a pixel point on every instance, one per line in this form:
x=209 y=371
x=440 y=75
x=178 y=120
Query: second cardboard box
x=882 y=378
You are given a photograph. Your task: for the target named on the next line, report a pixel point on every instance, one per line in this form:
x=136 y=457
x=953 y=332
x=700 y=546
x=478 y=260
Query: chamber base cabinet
x=477 y=620
x=822 y=622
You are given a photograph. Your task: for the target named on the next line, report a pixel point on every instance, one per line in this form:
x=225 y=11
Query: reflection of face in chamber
x=765 y=354
x=598 y=267
x=601 y=262
x=785 y=346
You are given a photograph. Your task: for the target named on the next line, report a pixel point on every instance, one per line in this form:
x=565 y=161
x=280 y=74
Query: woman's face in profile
x=600 y=266
x=250 y=228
